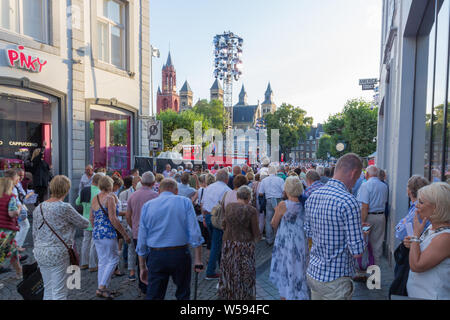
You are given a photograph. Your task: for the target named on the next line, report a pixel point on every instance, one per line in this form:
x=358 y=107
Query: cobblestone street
x=207 y=290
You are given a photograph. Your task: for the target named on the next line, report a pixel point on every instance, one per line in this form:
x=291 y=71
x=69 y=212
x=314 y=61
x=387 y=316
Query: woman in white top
x=429 y=257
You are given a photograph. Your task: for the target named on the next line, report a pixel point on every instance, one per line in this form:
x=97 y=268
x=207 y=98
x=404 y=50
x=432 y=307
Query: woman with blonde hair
x=429 y=256
x=290 y=251
x=104 y=211
x=9 y=212
x=54 y=226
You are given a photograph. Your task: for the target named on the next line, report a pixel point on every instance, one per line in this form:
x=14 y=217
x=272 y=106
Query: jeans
x=24 y=226
x=142 y=286
x=130 y=251
x=55 y=287
x=272 y=203
x=88 y=252
x=171 y=263
x=216 y=247
x=108 y=259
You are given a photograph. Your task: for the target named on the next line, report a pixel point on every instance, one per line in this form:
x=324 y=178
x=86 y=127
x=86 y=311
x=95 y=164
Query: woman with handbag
x=54 y=226
x=104 y=211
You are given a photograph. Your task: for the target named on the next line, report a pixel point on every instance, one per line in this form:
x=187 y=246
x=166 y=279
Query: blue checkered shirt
x=333 y=221
x=316 y=185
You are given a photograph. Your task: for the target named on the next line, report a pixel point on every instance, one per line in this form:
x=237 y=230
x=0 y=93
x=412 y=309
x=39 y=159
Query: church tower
x=186 y=97
x=268 y=106
x=216 y=91
x=168 y=97
x=243 y=97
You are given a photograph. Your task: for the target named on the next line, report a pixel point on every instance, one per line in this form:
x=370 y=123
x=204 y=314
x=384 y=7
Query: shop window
x=111 y=31
x=25 y=124
x=110 y=139
x=436 y=141
x=26 y=17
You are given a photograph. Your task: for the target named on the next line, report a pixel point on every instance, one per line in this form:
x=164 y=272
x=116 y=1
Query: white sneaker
x=1 y=286
x=217 y=287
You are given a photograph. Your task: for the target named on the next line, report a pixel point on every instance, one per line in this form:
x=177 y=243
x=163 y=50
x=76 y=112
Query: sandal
x=103 y=293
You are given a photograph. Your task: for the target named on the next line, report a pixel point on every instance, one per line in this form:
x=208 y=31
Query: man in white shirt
x=167 y=172
x=272 y=188
x=86 y=178
x=212 y=195
x=372 y=196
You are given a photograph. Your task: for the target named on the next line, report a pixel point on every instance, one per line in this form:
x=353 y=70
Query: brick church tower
x=168 y=97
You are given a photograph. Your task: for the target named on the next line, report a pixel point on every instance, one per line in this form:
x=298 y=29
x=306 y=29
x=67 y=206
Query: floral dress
x=290 y=255
x=103 y=228
x=8 y=246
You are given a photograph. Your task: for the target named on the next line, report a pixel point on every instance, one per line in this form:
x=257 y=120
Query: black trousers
x=171 y=263
x=142 y=286
x=41 y=194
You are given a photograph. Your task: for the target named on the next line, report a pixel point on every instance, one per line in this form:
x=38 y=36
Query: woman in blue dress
x=104 y=211
x=290 y=250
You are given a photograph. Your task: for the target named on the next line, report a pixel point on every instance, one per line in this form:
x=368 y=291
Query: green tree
x=324 y=148
x=292 y=123
x=213 y=111
x=355 y=126
x=184 y=120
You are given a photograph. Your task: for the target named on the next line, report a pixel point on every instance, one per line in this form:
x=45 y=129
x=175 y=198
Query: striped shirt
x=333 y=221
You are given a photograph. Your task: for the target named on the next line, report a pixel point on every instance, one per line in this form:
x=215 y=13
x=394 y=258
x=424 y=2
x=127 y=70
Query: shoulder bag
x=218 y=213
x=119 y=235
x=73 y=255
x=198 y=206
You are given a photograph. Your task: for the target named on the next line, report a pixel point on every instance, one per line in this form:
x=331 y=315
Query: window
x=26 y=17
x=110 y=138
x=111 y=32
x=436 y=127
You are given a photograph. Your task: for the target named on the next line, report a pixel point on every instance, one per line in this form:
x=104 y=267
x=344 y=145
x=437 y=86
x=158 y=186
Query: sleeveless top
x=430 y=284
x=103 y=228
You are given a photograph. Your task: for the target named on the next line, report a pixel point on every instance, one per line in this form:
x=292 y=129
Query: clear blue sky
x=313 y=52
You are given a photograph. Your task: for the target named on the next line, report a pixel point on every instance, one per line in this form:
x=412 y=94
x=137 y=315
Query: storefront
x=112 y=135
x=31 y=114
x=414 y=124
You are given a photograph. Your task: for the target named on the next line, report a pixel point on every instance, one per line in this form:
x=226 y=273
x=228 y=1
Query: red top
x=6 y=222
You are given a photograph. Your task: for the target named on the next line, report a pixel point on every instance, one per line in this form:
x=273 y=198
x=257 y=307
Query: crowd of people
x=325 y=225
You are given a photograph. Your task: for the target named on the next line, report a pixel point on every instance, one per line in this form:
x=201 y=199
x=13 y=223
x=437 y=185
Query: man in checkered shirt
x=333 y=221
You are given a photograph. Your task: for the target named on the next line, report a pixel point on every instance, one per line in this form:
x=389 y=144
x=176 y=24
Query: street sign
x=368 y=87
x=368 y=81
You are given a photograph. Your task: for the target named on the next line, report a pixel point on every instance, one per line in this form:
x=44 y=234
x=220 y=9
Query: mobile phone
x=366 y=228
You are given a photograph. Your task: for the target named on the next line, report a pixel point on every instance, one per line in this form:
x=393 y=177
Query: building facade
x=186 y=97
x=167 y=98
x=216 y=91
x=76 y=75
x=307 y=148
x=245 y=116
x=413 y=125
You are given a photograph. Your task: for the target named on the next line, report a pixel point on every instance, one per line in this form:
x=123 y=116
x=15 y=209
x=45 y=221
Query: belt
x=382 y=212
x=169 y=248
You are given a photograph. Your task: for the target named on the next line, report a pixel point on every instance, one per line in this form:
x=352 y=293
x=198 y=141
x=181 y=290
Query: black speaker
x=144 y=164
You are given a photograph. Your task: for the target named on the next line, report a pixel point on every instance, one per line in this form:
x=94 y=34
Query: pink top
x=135 y=203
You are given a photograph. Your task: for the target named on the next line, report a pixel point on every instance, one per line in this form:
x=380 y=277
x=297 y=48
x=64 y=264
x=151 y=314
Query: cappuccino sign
x=19 y=59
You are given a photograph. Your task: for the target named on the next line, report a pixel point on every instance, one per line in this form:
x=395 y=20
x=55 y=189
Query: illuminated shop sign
x=19 y=59
x=20 y=144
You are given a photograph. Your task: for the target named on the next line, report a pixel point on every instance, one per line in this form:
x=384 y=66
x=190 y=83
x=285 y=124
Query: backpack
x=218 y=213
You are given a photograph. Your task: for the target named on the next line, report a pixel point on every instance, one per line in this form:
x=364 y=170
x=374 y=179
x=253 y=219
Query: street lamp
x=228 y=65
x=154 y=53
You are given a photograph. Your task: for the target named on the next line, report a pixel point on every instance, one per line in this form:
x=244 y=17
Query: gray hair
x=293 y=186
x=320 y=170
x=372 y=171
x=222 y=175
x=148 y=179
x=168 y=184
x=189 y=165
x=273 y=169
x=244 y=193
